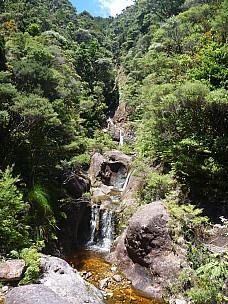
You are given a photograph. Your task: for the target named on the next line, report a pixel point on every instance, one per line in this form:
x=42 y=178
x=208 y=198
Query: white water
x=101 y=229
x=102 y=221
x=126 y=181
x=121 y=137
x=93 y=223
x=107 y=229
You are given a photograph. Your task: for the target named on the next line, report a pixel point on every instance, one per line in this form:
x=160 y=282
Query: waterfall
x=121 y=137
x=126 y=181
x=93 y=223
x=101 y=229
x=110 y=123
x=107 y=229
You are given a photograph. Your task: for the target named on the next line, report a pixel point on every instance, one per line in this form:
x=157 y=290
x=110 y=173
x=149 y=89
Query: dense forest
x=63 y=74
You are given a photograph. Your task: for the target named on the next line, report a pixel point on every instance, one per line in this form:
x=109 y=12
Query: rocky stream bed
x=141 y=258
x=117 y=288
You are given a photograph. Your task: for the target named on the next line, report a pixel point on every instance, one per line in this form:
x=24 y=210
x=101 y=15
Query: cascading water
x=121 y=142
x=101 y=229
x=126 y=181
x=107 y=229
x=93 y=223
x=114 y=178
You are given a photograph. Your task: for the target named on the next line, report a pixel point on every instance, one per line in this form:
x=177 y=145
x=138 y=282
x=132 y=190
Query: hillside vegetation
x=62 y=74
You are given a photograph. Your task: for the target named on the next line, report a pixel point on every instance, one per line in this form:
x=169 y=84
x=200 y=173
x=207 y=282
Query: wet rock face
x=113 y=174
x=75 y=228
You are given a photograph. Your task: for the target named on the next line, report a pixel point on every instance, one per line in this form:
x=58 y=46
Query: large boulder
x=110 y=169
x=144 y=251
x=75 y=183
x=31 y=294
x=12 y=270
x=118 y=156
x=66 y=282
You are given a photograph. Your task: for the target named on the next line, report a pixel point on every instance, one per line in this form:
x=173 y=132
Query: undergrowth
x=205 y=280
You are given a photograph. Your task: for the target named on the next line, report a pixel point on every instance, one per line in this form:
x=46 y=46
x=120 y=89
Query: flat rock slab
x=12 y=270
x=32 y=294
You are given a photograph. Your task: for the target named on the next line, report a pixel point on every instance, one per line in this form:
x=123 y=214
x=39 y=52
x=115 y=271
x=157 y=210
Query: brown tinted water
x=118 y=292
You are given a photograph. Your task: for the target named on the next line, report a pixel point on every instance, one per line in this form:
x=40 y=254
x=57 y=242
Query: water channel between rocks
x=91 y=263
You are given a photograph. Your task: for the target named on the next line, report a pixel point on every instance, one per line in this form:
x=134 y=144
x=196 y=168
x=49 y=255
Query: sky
x=103 y=8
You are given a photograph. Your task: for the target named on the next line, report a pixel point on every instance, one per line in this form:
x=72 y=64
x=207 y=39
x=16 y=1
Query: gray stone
x=104 y=283
x=110 y=169
x=148 y=235
x=218 y=239
x=12 y=270
x=88 y=275
x=113 y=268
x=118 y=156
x=32 y=294
x=5 y=288
x=103 y=190
x=178 y=301
x=144 y=251
x=117 y=278
x=95 y=165
x=67 y=283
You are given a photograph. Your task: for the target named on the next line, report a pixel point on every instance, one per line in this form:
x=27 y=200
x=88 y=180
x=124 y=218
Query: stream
x=91 y=263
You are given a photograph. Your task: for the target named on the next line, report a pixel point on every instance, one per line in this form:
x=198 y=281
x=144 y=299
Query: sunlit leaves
x=212 y=66
x=13 y=230
x=35 y=109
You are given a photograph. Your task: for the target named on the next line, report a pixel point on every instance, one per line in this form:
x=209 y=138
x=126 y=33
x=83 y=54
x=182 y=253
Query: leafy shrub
x=210 y=281
x=31 y=257
x=13 y=228
x=191 y=223
x=42 y=217
x=157 y=186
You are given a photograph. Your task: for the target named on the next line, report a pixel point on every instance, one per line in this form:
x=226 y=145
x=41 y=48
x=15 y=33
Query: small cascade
x=121 y=137
x=120 y=179
x=126 y=181
x=101 y=229
x=107 y=229
x=93 y=223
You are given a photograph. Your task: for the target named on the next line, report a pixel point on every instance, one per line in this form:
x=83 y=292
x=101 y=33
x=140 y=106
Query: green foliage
x=81 y=160
x=190 y=222
x=210 y=281
x=13 y=228
x=221 y=22
x=157 y=185
x=205 y=280
x=33 y=29
x=63 y=74
x=31 y=256
x=39 y=197
x=42 y=217
x=212 y=66
x=101 y=142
